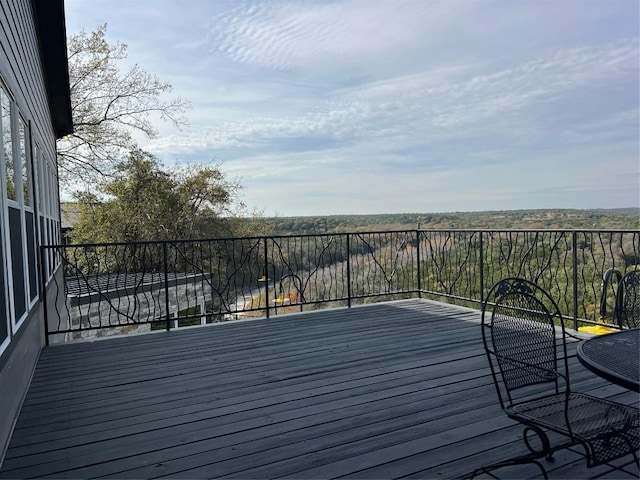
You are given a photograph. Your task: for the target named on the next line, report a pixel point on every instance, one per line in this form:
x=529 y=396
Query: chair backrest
x=628 y=300
x=519 y=321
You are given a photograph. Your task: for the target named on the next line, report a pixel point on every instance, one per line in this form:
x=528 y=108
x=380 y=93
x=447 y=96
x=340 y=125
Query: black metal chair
x=628 y=300
x=524 y=339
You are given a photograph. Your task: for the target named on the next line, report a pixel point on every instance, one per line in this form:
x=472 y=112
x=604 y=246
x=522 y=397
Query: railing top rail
x=368 y=232
x=534 y=230
x=329 y=234
x=149 y=242
x=223 y=239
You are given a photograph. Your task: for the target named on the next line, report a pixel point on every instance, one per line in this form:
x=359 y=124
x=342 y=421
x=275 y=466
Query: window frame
x=5 y=237
x=18 y=210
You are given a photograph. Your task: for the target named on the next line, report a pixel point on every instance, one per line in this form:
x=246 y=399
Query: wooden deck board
x=397 y=389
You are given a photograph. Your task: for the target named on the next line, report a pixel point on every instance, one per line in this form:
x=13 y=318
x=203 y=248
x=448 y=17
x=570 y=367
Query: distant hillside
x=601 y=219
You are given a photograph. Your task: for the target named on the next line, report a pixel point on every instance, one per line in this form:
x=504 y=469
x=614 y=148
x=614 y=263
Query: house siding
x=32 y=141
x=16 y=369
x=20 y=68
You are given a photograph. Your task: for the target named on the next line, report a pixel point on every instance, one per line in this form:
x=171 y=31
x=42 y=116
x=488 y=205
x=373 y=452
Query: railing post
x=481 y=267
x=43 y=294
x=266 y=276
x=418 y=271
x=348 y=271
x=165 y=259
x=574 y=246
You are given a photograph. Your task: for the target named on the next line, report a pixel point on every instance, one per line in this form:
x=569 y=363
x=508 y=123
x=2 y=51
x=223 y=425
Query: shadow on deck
x=397 y=389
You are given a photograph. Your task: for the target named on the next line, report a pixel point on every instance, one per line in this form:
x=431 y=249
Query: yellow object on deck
x=597 y=329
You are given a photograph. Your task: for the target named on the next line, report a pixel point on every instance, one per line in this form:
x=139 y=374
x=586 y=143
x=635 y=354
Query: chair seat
x=609 y=429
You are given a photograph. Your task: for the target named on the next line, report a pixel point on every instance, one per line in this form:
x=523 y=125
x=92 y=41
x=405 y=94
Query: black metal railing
x=115 y=288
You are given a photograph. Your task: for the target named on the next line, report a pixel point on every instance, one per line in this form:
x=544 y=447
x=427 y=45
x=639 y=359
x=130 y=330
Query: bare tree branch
x=108 y=106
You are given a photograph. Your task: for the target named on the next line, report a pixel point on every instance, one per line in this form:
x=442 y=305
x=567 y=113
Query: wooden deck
x=397 y=389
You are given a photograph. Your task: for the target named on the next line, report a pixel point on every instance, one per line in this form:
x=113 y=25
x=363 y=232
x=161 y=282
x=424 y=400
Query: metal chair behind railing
x=522 y=331
x=628 y=300
x=611 y=275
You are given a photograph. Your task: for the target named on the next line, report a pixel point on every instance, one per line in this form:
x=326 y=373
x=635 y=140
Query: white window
x=25 y=163
x=7 y=146
x=19 y=238
x=7 y=190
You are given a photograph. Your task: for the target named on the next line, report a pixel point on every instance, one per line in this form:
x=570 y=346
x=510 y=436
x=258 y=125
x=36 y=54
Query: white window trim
x=17 y=170
x=6 y=240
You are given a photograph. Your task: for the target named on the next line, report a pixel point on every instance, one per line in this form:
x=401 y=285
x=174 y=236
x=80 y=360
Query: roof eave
x=52 y=40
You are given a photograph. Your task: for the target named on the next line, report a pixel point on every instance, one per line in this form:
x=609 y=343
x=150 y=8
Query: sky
x=391 y=106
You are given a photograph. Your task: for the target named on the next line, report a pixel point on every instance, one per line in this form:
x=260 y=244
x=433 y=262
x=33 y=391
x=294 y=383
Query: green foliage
x=144 y=202
x=508 y=219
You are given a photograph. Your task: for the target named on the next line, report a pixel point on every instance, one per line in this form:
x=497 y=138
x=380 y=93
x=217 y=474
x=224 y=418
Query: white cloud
x=304 y=34
x=345 y=106
x=428 y=107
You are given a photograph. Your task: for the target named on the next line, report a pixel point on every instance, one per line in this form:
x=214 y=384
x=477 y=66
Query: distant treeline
x=623 y=219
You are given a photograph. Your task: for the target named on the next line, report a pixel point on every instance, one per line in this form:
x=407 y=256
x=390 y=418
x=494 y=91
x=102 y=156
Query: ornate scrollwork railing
x=114 y=288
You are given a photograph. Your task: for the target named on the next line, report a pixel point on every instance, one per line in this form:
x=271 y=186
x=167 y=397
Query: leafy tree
x=109 y=106
x=145 y=202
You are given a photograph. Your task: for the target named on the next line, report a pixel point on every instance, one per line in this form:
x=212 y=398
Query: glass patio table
x=614 y=356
